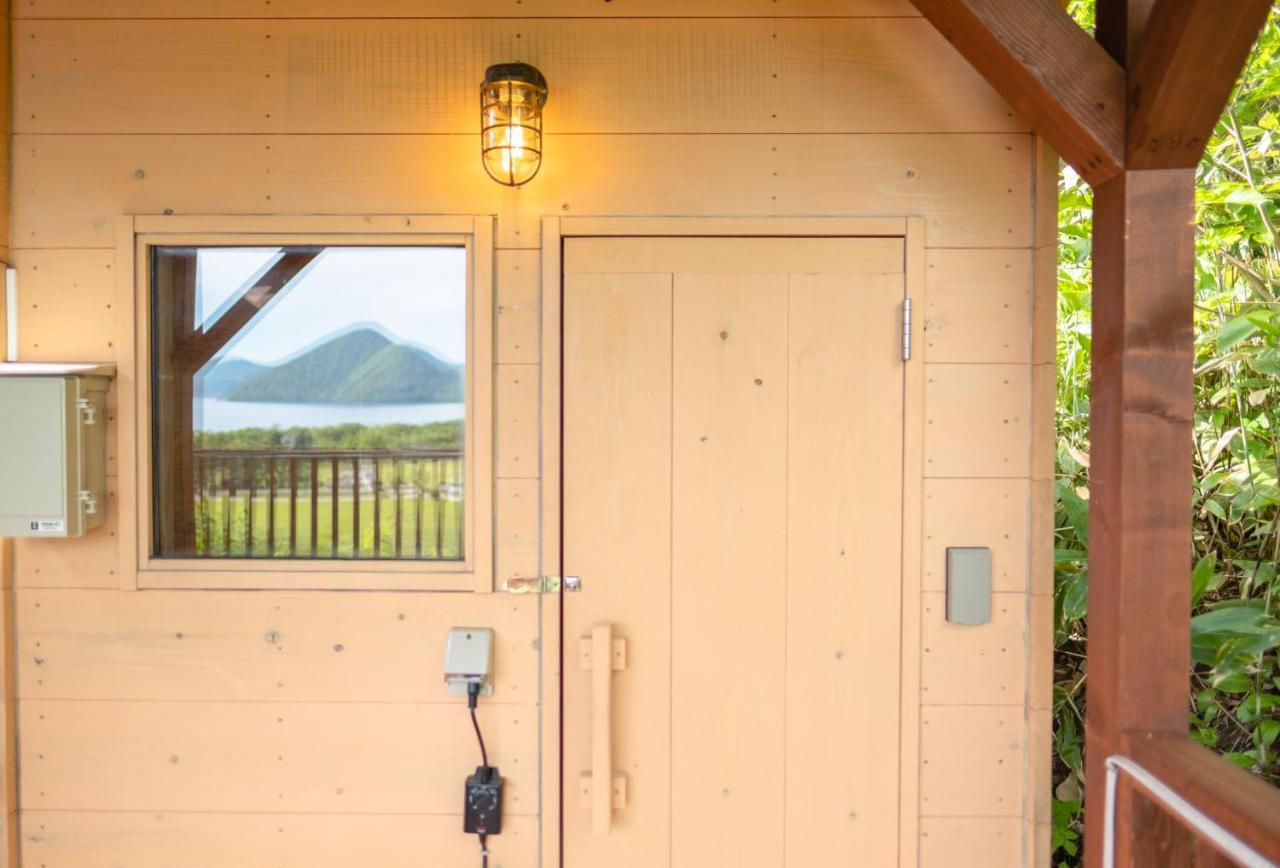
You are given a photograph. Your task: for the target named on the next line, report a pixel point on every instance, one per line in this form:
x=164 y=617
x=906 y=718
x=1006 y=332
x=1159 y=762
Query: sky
x=416 y=294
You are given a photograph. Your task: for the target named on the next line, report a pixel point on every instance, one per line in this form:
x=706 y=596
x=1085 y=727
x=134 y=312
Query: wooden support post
x=1141 y=476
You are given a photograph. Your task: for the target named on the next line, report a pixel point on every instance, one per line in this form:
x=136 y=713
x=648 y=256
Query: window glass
x=308 y=402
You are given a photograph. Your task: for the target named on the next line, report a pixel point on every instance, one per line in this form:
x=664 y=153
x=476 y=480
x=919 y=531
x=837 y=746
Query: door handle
x=602 y=789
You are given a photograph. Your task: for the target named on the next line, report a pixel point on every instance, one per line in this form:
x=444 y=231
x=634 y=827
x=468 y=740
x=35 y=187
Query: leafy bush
x=1233 y=698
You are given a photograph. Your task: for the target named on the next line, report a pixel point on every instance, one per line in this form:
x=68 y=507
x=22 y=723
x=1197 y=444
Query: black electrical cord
x=473 y=696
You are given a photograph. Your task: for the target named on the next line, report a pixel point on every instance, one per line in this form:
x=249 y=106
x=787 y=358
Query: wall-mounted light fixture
x=511 y=101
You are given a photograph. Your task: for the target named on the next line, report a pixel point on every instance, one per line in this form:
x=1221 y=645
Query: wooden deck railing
x=318 y=503
x=1172 y=802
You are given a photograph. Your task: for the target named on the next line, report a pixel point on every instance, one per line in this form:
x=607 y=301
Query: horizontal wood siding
x=268 y=728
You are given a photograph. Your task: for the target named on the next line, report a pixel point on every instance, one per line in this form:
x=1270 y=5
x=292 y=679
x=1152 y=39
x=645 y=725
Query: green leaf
x=1234 y=331
x=1201 y=576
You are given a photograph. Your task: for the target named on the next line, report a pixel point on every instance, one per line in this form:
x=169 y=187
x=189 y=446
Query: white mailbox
x=53 y=448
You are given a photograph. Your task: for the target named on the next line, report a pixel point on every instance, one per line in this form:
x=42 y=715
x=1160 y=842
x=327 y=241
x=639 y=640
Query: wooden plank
x=984 y=665
x=91 y=561
x=729 y=413
x=66 y=305
x=516 y=547
x=973 y=190
x=454 y=8
x=1180 y=80
x=977 y=420
x=264 y=757
x=741 y=227
x=843 y=605
x=970 y=842
x=1238 y=801
x=89 y=839
x=517 y=421
x=876 y=256
x=1121 y=26
x=617 y=498
x=9 y=838
x=1049 y=69
x=979 y=306
x=519 y=310
x=250 y=646
x=952 y=517
x=1141 y=476
x=279 y=76
x=972 y=760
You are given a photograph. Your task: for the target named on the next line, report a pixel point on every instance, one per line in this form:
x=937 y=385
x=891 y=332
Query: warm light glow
x=511 y=101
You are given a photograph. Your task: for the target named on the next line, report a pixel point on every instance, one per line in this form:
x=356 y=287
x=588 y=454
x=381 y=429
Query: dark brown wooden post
x=1141 y=472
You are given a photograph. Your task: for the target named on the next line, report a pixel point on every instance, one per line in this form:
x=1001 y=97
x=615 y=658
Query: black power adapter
x=483 y=812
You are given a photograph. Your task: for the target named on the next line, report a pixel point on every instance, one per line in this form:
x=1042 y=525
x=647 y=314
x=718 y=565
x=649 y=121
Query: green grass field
x=439 y=526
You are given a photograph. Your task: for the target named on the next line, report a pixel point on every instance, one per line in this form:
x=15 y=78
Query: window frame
x=136 y=237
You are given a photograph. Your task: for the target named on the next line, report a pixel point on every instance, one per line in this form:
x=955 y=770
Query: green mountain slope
x=359 y=366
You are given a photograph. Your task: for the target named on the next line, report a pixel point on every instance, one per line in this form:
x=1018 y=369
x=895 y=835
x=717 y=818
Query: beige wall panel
x=1044 y=433
x=977 y=512
x=422 y=76
x=361 y=758
x=66 y=304
x=145 y=839
x=516 y=553
x=979 y=306
x=1043 y=540
x=176 y=645
x=977 y=420
x=451 y=8
x=90 y=561
x=973 y=189
x=972 y=760
x=519 y=310
x=517 y=415
x=765 y=255
x=970 y=842
x=977 y=665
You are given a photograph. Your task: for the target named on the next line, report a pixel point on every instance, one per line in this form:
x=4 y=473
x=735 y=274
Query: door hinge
x=906 y=329
x=86 y=499
x=88 y=410
x=543 y=585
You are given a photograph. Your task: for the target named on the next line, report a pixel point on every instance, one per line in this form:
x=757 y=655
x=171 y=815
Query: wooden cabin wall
x=272 y=728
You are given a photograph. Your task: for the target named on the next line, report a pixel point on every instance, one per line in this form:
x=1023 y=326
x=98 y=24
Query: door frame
x=554 y=232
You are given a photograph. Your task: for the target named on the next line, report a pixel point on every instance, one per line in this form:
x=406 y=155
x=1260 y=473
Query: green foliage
x=1233 y=698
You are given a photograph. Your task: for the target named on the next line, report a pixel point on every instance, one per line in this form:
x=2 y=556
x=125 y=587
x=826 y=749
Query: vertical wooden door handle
x=602 y=790
x=602 y=729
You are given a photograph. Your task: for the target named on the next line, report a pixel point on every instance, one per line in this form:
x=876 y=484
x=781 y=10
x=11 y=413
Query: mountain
x=227 y=375
x=359 y=366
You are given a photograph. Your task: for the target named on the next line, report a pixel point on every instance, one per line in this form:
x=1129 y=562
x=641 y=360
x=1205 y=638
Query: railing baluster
x=460 y=526
x=315 y=507
x=417 y=523
x=228 y=470
x=439 y=517
x=248 y=524
x=399 y=466
x=271 y=507
x=355 y=508
x=205 y=520
x=377 y=508
x=293 y=506
x=333 y=506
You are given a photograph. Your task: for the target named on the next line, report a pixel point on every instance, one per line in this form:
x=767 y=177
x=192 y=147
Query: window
x=309 y=406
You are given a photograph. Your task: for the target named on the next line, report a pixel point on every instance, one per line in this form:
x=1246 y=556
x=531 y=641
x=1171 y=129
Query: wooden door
x=733 y=461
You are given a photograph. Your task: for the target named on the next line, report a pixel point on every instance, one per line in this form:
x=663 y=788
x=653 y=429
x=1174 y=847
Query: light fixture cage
x=511 y=101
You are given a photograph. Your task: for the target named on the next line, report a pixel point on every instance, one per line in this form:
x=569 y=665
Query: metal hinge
x=543 y=585
x=906 y=329
x=89 y=502
x=87 y=407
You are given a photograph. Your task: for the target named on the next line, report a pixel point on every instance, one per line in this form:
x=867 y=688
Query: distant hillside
x=360 y=366
x=227 y=375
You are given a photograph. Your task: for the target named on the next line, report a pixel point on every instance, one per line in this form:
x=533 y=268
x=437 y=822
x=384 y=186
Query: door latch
x=543 y=585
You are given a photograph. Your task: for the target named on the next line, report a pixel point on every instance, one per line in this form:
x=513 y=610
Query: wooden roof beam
x=1182 y=76
x=1049 y=69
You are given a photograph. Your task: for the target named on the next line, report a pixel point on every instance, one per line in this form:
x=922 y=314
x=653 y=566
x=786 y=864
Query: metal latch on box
x=543 y=585
x=88 y=409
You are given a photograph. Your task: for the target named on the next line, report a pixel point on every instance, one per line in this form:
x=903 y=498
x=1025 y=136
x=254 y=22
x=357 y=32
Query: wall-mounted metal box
x=53 y=448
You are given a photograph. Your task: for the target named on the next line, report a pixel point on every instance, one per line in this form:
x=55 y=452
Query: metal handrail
x=1196 y=820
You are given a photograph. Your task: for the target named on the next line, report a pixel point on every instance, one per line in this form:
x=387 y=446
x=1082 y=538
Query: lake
x=217 y=415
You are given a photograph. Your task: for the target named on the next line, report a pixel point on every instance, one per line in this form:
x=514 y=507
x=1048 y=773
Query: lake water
x=217 y=415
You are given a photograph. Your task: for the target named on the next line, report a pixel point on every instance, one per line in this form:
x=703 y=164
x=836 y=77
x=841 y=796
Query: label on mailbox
x=49 y=526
